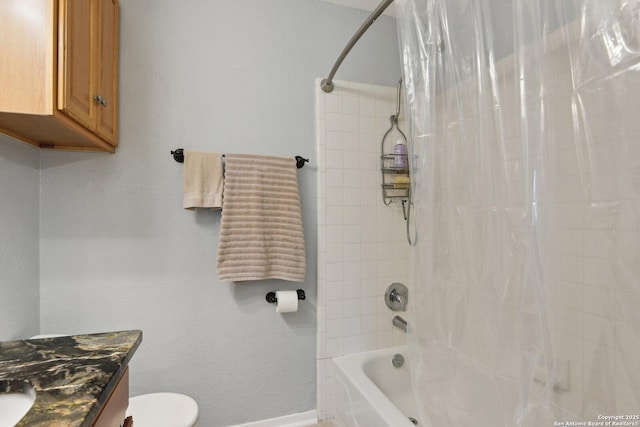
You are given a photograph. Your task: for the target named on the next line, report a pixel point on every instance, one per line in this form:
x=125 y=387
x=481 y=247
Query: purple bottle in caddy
x=400 y=151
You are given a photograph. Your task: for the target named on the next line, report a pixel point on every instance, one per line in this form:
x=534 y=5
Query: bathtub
x=371 y=392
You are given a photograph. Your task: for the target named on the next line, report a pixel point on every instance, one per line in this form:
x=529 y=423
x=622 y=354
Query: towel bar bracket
x=271 y=296
x=300 y=161
x=178 y=156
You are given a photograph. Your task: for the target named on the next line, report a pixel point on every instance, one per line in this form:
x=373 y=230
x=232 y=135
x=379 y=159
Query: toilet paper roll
x=287 y=301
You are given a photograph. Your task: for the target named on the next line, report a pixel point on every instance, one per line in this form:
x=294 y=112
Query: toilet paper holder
x=271 y=296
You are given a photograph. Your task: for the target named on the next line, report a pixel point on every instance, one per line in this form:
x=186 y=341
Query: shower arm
x=327 y=84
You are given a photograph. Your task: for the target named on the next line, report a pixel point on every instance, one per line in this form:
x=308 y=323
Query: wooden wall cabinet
x=59 y=73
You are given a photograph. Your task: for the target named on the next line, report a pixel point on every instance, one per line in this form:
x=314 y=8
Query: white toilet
x=157 y=409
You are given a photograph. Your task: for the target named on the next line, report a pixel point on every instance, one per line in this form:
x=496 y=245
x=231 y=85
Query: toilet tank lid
x=163 y=410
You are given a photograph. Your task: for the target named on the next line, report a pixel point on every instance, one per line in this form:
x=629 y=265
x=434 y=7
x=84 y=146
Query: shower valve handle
x=396 y=297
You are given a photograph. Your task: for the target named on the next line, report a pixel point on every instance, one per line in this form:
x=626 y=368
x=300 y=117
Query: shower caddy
x=394 y=166
x=394 y=161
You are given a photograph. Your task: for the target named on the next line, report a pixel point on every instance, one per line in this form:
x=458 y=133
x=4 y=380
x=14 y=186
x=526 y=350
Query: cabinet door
x=107 y=70
x=76 y=58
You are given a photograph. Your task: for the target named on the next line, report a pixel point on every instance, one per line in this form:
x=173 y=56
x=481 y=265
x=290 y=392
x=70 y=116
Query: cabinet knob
x=100 y=100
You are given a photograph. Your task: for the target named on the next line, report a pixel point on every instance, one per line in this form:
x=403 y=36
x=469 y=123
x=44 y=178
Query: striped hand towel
x=261 y=229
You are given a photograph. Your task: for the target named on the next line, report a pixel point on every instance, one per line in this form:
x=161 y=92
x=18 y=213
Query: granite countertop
x=72 y=376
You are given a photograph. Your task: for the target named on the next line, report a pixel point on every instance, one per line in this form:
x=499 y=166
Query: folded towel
x=261 y=228
x=202 y=180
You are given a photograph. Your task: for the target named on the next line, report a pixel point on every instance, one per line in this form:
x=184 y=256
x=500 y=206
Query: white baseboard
x=304 y=419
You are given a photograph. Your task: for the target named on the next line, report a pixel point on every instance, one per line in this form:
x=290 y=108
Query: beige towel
x=261 y=229
x=202 y=180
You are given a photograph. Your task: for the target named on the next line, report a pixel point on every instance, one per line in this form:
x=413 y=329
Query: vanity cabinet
x=59 y=73
x=114 y=410
x=78 y=380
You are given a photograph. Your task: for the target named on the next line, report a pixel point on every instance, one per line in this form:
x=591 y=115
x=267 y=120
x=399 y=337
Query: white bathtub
x=371 y=392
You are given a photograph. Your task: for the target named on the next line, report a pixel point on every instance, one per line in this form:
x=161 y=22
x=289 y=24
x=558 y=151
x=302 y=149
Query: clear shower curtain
x=524 y=121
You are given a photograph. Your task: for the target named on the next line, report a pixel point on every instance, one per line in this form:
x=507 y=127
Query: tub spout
x=399 y=322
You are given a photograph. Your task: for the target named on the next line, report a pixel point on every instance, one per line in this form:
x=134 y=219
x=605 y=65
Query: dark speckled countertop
x=72 y=376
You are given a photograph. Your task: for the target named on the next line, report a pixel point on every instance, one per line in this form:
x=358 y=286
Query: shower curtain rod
x=327 y=84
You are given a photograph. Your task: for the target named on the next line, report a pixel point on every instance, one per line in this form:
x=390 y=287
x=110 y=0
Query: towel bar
x=178 y=156
x=271 y=296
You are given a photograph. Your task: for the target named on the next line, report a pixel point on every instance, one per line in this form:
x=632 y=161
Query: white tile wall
x=361 y=242
x=590 y=249
x=591 y=231
x=591 y=263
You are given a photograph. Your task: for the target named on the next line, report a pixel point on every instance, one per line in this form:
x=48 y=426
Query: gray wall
x=119 y=252
x=19 y=248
